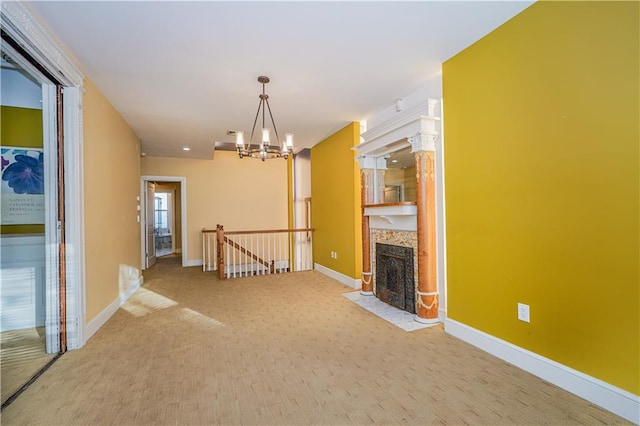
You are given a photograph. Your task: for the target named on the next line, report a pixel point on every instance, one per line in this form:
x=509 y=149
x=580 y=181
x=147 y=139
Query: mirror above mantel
x=387 y=154
x=399 y=177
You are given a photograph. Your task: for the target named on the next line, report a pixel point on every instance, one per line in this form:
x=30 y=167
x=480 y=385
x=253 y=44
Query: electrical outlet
x=523 y=312
x=335 y=254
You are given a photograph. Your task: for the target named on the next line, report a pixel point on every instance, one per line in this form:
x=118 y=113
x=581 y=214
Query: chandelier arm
x=275 y=130
x=255 y=121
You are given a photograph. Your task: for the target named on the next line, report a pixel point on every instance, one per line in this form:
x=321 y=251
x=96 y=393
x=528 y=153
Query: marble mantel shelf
x=391 y=209
x=392 y=216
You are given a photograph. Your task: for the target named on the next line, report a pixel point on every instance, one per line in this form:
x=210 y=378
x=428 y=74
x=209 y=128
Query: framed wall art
x=22 y=189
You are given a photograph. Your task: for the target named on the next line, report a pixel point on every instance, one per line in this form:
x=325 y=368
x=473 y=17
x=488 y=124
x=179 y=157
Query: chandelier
x=264 y=150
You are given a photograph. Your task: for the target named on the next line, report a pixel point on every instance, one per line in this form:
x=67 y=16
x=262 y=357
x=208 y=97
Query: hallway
x=282 y=349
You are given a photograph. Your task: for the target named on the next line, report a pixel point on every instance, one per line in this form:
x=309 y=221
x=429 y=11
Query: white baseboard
x=99 y=320
x=196 y=262
x=609 y=397
x=338 y=276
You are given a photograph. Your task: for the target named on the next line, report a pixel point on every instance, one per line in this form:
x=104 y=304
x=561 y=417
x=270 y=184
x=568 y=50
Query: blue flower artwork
x=26 y=174
x=22 y=186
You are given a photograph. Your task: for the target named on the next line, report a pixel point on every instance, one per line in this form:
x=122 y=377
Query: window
x=163 y=213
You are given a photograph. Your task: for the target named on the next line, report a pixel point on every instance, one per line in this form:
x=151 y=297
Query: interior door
x=150 y=224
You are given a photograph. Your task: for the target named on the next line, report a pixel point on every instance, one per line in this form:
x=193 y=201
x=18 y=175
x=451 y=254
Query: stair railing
x=237 y=254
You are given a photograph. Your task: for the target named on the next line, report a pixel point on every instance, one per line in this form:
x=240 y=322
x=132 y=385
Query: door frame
x=148 y=201
x=183 y=207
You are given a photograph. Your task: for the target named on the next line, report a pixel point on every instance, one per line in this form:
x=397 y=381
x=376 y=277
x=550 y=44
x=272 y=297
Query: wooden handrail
x=238 y=242
x=264 y=231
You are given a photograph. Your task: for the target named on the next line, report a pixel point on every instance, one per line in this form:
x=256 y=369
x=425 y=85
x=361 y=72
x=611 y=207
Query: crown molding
x=401 y=119
x=20 y=24
x=416 y=120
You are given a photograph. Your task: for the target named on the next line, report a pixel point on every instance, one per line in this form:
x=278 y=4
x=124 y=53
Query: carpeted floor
x=22 y=354
x=280 y=350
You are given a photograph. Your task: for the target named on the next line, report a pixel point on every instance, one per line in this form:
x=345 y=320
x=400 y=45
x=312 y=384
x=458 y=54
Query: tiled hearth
x=395 y=316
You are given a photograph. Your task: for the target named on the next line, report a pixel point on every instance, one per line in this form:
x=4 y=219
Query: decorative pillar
x=368 y=189
x=366 y=185
x=423 y=146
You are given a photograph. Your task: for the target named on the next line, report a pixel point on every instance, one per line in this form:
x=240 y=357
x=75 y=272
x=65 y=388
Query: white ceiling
x=182 y=73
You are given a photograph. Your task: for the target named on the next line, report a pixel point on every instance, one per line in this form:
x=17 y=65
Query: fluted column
x=367 y=196
x=423 y=146
x=366 y=182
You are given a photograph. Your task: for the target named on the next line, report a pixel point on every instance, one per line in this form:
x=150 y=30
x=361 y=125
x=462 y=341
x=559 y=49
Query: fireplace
x=394 y=276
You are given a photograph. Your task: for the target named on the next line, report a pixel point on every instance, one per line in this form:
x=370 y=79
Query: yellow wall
x=335 y=202
x=21 y=127
x=290 y=194
x=542 y=185
x=111 y=185
x=240 y=194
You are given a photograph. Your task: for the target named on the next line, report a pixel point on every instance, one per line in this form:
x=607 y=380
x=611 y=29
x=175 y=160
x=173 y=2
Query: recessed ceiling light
x=394 y=161
x=186 y=148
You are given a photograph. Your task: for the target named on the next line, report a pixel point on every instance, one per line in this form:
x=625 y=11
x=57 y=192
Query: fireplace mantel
x=393 y=216
x=407 y=127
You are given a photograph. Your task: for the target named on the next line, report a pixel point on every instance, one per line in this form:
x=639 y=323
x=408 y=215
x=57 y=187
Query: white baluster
x=227 y=272
x=280 y=252
x=234 y=259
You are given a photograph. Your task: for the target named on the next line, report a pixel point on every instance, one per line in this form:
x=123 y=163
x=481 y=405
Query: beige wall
x=239 y=194
x=111 y=185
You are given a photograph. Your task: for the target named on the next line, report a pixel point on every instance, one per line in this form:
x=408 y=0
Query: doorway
x=163 y=218
x=23 y=279
x=27 y=46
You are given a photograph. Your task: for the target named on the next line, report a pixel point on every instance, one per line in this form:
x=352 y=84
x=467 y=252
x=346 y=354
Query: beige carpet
x=280 y=350
x=22 y=354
